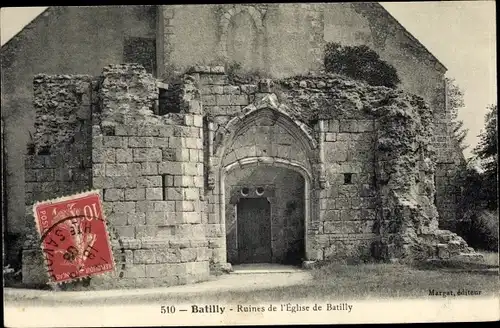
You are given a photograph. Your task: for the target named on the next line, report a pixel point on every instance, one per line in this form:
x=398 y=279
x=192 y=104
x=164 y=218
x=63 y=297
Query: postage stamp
x=74 y=237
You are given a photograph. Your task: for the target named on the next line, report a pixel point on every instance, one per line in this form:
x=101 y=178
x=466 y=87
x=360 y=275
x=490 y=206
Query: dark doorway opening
x=254 y=230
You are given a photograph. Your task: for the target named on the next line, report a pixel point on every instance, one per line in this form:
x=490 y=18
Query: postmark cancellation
x=74 y=237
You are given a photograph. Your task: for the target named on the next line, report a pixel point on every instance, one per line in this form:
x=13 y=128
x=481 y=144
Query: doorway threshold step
x=264 y=268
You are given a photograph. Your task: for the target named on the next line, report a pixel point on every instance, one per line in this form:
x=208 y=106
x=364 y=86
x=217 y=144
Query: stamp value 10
x=74 y=237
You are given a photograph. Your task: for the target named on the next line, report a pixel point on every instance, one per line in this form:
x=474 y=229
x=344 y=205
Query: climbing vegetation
x=479 y=184
x=360 y=63
x=455 y=96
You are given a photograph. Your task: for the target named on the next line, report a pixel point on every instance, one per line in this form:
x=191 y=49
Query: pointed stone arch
x=303 y=158
x=267 y=108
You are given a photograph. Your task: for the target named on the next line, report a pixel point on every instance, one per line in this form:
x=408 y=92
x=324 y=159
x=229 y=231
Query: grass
x=385 y=280
x=336 y=282
x=376 y=280
x=365 y=281
x=372 y=281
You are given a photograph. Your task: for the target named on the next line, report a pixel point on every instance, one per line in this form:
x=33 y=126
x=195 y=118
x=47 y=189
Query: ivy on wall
x=404 y=158
x=360 y=63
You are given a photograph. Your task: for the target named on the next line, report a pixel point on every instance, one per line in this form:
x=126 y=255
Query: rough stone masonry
x=362 y=154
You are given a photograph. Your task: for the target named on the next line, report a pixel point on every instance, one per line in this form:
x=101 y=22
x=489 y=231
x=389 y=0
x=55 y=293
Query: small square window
x=169 y=100
x=348 y=178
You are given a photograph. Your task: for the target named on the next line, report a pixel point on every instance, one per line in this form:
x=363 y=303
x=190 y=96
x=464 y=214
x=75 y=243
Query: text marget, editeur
x=288 y=307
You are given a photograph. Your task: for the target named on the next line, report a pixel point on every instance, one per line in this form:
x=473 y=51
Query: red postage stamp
x=74 y=237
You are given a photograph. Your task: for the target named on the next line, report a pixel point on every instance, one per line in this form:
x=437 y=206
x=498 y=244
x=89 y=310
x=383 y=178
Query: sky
x=461 y=34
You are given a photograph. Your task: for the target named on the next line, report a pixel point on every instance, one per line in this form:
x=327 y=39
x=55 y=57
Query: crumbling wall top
x=62 y=103
x=130 y=95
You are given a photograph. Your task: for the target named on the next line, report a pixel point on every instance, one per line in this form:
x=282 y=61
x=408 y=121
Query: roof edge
x=412 y=37
x=16 y=37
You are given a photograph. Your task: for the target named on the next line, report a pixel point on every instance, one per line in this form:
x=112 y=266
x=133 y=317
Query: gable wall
x=287 y=41
x=273 y=37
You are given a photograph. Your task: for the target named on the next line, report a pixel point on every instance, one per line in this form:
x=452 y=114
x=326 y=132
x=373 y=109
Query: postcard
x=252 y=163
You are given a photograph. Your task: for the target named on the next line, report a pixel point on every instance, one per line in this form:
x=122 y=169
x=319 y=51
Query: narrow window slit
x=164 y=186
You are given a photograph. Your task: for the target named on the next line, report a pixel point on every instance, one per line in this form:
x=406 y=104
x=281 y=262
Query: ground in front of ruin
x=334 y=281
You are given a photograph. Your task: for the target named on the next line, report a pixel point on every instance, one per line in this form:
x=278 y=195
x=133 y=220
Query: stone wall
x=348 y=148
x=348 y=205
x=149 y=169
x=269 y=37
x=422 y=75
x=364 y=154
x=288 y=39
x=278 y=39
x=60 y=159
x=365 y=202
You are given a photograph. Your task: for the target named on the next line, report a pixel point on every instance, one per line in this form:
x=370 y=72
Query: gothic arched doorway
x=265 y=214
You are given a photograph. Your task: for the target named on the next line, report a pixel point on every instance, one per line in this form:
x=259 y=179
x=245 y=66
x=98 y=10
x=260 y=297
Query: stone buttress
x=149 y=169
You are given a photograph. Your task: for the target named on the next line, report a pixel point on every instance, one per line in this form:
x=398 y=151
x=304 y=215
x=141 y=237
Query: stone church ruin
x=307 y=168
x=199 y=171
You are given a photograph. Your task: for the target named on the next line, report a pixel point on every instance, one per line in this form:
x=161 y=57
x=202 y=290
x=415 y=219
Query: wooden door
x=254 y=230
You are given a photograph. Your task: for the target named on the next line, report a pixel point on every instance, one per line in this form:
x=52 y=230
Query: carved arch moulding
x=269 y=109
x=226 y=14
x=268 y=105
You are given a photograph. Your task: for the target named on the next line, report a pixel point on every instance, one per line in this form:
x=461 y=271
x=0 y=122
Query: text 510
x=167 y=309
